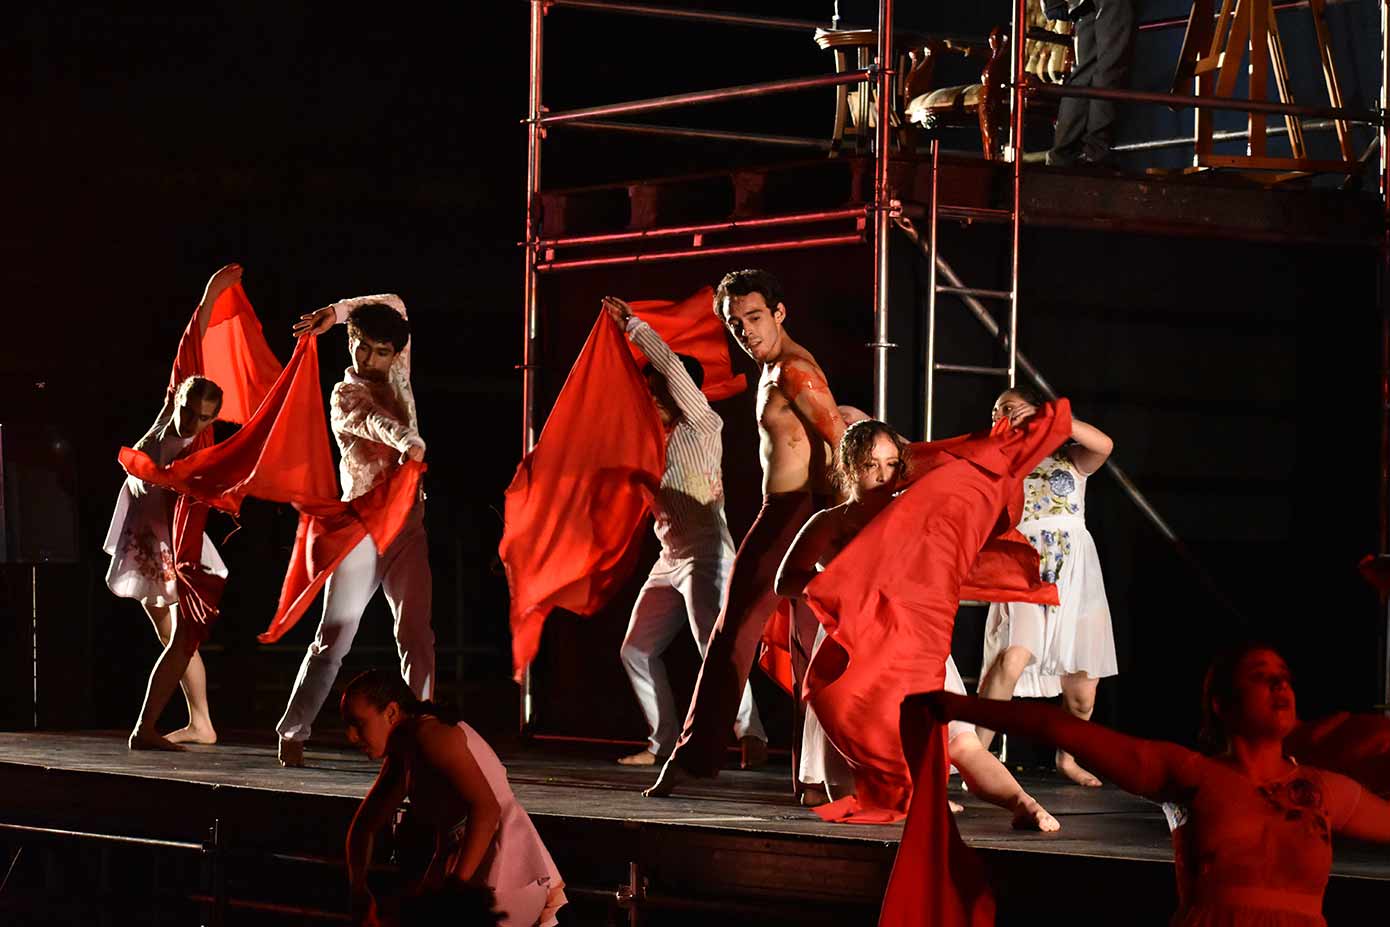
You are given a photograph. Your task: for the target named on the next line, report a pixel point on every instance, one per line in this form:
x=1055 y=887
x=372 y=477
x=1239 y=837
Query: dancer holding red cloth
x=376 y=427
x=1252 y=829
x=151 y=560
x=888 y=601
x=798 y=423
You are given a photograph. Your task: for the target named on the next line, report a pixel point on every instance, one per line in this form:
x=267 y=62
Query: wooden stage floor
x=740 y=841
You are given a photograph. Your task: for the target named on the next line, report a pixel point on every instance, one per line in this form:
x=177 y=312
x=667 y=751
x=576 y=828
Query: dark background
x=334 y=154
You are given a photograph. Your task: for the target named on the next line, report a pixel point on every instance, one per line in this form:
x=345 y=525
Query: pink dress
x=1252 y=855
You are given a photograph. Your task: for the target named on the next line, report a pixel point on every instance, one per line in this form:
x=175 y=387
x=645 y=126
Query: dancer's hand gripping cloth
x=888 y=602
x=575 y=507
x=937 y=880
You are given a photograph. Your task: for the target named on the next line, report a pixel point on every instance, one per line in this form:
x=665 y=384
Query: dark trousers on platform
x=748 y=603
x=1104 y=50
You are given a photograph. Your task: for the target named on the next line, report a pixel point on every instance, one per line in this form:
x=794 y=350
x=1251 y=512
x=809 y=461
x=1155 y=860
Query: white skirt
x=1073 y=637
x=141 y=550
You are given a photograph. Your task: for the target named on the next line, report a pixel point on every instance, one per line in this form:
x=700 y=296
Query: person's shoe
x=754 y=753
x=291 y=753
x=1035 y=157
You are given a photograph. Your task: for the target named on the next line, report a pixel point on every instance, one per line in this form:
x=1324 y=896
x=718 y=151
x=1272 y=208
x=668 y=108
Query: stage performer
x=455 y=782
x=686 y=584
x=868 y=464
x=799 y=426
x=140 y=538
x=374 y=422
x=1040 y=651
x=1252 y=829
x=888 y=601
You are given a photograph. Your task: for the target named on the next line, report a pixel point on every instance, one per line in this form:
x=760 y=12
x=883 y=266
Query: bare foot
x=291 y=753
x=813 y=796
x=149 y=740
x=645 y=758
x=754 y=753
x=955 y=807
x=672 y=777
x=1032 y=816
x=193 y=734
x=1068 y=767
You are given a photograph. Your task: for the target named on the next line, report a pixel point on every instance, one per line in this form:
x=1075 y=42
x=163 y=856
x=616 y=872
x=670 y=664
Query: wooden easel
x=1225 y=38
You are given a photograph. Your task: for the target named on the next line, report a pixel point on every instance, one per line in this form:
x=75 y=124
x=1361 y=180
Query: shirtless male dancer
x=798 y=425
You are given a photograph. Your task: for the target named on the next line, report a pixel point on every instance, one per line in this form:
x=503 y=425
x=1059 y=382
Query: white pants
x=676 y=593
x=403 y=571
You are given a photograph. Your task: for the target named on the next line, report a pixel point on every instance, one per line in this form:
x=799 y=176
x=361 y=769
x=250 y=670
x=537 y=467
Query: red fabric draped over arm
x=578 y=499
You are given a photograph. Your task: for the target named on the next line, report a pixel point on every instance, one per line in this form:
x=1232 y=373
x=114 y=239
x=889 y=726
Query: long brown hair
x=857 y=444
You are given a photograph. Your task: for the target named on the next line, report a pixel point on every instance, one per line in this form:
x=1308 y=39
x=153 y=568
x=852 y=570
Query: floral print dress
x=1075 y=636
x=139 y=538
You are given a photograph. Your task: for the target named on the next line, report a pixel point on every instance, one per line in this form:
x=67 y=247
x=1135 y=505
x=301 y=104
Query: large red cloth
x=578 y=500
x=937 y=880
x=281 y=454
x=888 y=602
x=690 y=327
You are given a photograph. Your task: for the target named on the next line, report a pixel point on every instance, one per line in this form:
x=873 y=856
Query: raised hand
x=224 y=277
x=618 y=310
x=315 y=323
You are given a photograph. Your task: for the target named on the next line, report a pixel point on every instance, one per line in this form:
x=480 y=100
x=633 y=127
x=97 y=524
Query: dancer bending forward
x=1040 y=651
x=869 y=463
x=455 y=781
x=1252 y=829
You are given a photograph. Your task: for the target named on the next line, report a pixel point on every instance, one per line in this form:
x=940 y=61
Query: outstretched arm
x=218 y=283
x=321 y=320
x=1092 y=447
x=1148 y=768
x=799 y=565
x=384 y=797
x=692 y=403
x=445 y=748
x=806 y=389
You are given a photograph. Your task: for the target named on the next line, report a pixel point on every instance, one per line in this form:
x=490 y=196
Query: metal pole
x=931 y=290
x=34 y=635
x=534 y=133
x=705 y=228
x=856 y=238
x=1019 y=79
x=714 y=95
x=1177 y=100
x=882 y=205
x=634 y=128
x=1384 y=508
x=1230 y=135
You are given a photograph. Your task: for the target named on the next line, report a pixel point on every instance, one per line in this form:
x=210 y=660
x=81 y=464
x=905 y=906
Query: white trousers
x=403 y=571
x=676 y=593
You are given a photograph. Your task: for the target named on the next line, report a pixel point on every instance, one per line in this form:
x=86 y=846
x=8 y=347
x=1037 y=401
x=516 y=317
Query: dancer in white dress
x=1040 y=651
x=868 y=465
x=139 y=539
x=454 y=781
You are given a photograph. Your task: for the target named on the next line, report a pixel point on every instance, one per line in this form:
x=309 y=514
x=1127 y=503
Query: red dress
x=1252 y=855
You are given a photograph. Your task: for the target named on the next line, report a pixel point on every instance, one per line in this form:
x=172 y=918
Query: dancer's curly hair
x=855 y=447
x=380 y=323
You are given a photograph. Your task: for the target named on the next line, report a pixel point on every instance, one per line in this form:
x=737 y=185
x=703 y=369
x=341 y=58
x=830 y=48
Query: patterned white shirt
x=689 y=504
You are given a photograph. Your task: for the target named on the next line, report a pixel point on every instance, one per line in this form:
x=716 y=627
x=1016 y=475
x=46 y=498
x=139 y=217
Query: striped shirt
x=689 y=504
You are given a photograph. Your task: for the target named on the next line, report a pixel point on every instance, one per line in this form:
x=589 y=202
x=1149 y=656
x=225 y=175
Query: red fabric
x=232 y=353
x=579 y=498
x=937 y=880
x=690 y=327
x=281 y=454
x=888 y=601
x=775 y=658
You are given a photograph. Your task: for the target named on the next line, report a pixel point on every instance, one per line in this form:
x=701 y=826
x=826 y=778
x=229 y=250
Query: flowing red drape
x=937 y=880
x=888 y=602
x=578 y=501
x=281 y=454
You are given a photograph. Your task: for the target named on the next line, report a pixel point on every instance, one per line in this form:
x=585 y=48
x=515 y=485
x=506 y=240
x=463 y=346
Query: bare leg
x=986 y=777
x=168 y=669
x=999 y=681
x=1079 y=698
x=194 y=684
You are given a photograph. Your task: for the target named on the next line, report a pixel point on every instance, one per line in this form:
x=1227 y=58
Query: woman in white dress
x=139 y=539
x=1040 y=651
x=868 y=465
x=455 y=782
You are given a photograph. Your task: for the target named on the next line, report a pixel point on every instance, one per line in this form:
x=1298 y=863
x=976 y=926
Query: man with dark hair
x=374 y=422
x=799 y=426
x=687 y=581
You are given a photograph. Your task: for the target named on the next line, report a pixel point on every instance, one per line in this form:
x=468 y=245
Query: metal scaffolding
x=883 y=209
